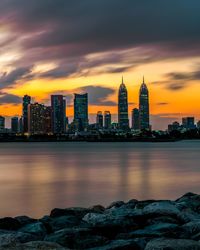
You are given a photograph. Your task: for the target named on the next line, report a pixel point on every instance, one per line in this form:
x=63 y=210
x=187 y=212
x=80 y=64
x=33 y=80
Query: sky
x=67 y=46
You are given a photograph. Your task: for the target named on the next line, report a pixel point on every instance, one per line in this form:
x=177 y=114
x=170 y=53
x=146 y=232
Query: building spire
x=122 y=80
x=143 y=79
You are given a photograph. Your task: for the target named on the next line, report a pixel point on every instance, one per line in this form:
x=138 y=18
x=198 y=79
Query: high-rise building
x=26 y=102
x=81 y=111
x=188 y=123
x=198 y=124
x=20 y=125
x=135 y=119
x=2 y=124
x=107 y=120
x=15 y=125
x=58 y=105
x=123 y=120
x=99 y=119
x=174 y=126
x=47 y=116
x=36 y=118
x=39 y=119
x=144 y=106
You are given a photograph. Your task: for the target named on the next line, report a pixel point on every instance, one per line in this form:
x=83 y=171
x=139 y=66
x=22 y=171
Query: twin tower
x=143 y=111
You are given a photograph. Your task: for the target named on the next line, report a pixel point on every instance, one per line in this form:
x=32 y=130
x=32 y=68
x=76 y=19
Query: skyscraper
x=81 y=111
x=135 y=119
x=26 y=102
x=15 y=124
x=144 y=106
x=2 y=124
x=58 y=105
x=188 y=123
x=107 y=120
x=123 y=120
x=36 y=118
x=99 y=119
x=39 y=119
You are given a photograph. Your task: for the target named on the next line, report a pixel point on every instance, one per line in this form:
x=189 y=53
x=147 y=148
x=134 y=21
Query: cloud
x=6 y=98
x=162 y=103
x=99 y=95
x=8 y=79
x=66 y=31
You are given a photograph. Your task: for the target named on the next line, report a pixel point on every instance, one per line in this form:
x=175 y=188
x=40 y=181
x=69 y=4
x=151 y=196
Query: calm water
x=36 y=177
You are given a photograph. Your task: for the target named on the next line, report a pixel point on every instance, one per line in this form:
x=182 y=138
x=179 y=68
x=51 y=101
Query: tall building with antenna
x=123 y=120
x=144 y=107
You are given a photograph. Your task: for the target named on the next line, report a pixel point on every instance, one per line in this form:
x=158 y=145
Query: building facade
x=188 y=123
x=36 y=119
x=135 y=119
x=99 y=120
x=123 y=120
x=58 y=105
x=2 y=124
x=144 y=107
x=26 y=102
x=81 y=111
x=107 y=120
x=15 y=125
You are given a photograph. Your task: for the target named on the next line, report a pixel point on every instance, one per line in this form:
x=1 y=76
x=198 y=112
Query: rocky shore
x=149 y=225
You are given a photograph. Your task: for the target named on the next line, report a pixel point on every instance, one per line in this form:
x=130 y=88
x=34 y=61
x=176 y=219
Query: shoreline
x=148 y=225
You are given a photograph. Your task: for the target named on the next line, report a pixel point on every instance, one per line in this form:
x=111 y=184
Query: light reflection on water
x=36 y=177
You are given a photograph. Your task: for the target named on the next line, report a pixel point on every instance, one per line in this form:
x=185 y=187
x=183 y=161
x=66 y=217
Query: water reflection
x=36 y=177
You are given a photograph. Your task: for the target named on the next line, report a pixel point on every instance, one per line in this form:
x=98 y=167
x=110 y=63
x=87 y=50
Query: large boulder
x=189 y=200
x=116 y=204
x=9 y=223
x=192 y=227
x=172 y=244
x=42 y=245
x=37 y=229
x=166 y=208
x=79 y=212
x=8 y=240
x=24 y=220
x=110 y=225
x=119 y=245
x=68 y=237
x=58 y=223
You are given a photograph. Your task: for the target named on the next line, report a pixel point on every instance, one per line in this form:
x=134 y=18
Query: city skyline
x=73 y=47
x=69 y=102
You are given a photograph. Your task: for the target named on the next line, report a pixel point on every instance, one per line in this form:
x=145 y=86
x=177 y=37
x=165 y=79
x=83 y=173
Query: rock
x=9 y=223
x=163 y=219
x=166 y=208
x=89 y=241
x=172 y=244
x=110 y=224
x=42 y=245
x=8 y=240
x=68 y=237
x=189 y=200
x=116 y=204
x=62 y=222
x=97 y=209
x=24 y=220
x=192 y=227
x=37 y=229
x=142 y=204
x=119 y=245
x=131 y=203
x=79 y=212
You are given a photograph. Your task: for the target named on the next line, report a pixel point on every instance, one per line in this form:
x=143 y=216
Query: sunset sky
x=67 y=46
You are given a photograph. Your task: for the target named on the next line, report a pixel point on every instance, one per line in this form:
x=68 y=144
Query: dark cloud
x=59 y=30
x=8 y=79
x=162 y=103
x=6 y=98
x=98 y=95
